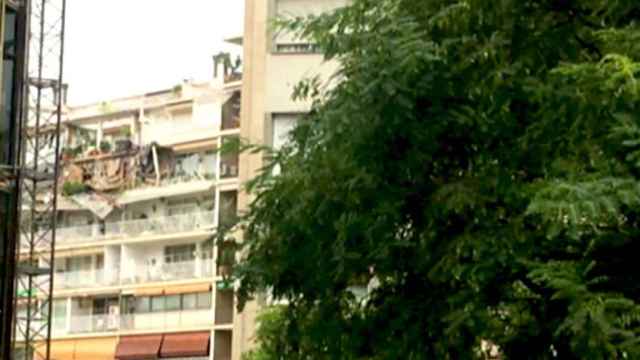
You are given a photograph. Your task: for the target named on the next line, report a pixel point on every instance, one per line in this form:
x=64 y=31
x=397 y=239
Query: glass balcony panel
x=134 y=228
x=187 y=270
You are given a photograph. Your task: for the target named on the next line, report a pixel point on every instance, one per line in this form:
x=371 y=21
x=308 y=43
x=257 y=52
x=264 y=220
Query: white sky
x=118 y=48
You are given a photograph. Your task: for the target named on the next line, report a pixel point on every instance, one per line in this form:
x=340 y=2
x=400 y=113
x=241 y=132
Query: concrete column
x=198 y=261
x=218 y=161
x=68 y=320
x=94 y=265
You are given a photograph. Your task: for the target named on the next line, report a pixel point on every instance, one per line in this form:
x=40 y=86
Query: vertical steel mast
x=39 y=172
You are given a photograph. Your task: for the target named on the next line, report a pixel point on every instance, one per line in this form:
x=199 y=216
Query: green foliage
x=125 y=132
x=481 y=160
x=105 y=146
x=269 y=335
x=70 y=188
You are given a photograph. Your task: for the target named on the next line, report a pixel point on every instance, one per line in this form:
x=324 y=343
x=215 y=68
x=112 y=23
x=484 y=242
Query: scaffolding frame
x=38 y=174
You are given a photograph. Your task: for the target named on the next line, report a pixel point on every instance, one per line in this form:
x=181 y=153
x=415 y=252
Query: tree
x=481 y=160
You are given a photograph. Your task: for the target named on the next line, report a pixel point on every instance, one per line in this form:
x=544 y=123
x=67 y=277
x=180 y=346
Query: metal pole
x=34 y=183
x=56 y=174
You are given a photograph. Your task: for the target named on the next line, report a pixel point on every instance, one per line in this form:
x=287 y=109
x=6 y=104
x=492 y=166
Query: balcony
x=82 y=324
x=231 y=112
x=79 y=279
x=187 y=270
x=103 y=323
x=163 y=225
x=167 y=320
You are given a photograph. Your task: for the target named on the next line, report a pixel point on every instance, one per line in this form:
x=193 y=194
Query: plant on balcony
x=91 y=148
x=68 y=153
x=105 y=147
x=70 y=188
x=125 y=132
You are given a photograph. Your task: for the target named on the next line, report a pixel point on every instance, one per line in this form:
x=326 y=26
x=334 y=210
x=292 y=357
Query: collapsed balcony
x=128 y=168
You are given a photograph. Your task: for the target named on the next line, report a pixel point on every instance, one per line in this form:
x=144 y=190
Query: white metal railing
x=196 y=269
x=134 y=228
x=80 y=279
x=186 y=270
x=76 y=232
x=166 y=320
x=80 y=324
x=101 y=323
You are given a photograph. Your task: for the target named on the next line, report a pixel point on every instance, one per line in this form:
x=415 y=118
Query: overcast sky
x=127 y=47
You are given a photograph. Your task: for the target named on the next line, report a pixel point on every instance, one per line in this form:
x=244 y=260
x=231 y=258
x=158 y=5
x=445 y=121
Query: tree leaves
x=480 y=161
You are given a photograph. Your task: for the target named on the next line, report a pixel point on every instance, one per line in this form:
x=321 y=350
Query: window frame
x=141 y=299
x=158 y=299
x=208 y=303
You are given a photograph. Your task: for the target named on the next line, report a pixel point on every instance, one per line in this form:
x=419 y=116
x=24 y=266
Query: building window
x=143 y=304
x=173 y=303
x=209 y=162
x=189 y=302
x=168 y=303
x=229 y=159
x=158 y=303
x=187 y=165
x=231 y=112
x=182 y=207
x=180 y=253
x=283 y=125
x=204 y=300
x=59 y=314
x=228 y=214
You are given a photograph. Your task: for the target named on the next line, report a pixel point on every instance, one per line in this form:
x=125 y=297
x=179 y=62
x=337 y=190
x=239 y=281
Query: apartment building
x=274 y=62
x=139 y=273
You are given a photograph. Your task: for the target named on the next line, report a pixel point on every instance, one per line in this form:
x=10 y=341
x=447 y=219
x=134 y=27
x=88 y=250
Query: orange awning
x=143 y=347
x=185 y=345
x=187 y=289
x=96 y=349
x=149 y=291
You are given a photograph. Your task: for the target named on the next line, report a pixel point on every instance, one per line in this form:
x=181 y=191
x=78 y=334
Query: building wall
x=284 y=72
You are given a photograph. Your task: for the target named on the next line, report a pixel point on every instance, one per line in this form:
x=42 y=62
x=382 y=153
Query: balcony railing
x=166 y=320
x=79 y=279
x=94 y=323
x=102 y=323
x=170 y=272
x=134 y=228
x=196 y=269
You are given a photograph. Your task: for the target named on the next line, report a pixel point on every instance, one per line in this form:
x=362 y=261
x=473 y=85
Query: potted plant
x=68 y=153
x=70 y=188
x=105 y=147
